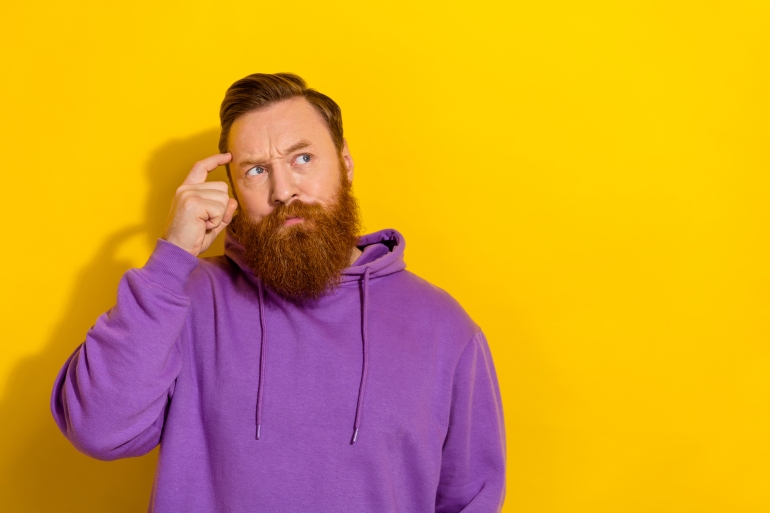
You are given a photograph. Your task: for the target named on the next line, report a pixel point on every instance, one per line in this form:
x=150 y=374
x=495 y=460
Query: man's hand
x=200 y=209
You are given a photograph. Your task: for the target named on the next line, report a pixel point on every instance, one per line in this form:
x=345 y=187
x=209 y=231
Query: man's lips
x=292 y=220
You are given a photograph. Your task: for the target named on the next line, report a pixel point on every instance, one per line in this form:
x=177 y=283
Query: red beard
x=304 y=260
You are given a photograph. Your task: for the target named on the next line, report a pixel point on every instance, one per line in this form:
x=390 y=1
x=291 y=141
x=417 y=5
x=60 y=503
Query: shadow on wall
x=39 y=470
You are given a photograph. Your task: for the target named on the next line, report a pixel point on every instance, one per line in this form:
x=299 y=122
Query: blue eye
x=303 y=159
x=258 y=170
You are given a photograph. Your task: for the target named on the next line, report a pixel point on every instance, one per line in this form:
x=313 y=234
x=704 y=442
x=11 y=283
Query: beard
x=302 y=261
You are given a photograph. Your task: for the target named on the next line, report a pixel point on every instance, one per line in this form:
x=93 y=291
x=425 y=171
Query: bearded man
x=303 y=370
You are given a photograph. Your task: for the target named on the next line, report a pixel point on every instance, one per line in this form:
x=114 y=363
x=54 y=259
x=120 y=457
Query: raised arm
x=473 y=459
x=111 y=396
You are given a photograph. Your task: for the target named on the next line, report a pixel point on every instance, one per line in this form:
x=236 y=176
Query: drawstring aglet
x=355 y=435
x=258 y=428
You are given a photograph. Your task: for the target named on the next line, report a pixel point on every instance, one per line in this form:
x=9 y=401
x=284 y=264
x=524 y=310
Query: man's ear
x=347 y=158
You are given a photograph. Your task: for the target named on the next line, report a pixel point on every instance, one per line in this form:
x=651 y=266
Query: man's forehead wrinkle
x=275 y=150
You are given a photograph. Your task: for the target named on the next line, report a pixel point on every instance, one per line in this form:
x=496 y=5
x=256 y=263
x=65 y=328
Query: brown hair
x=260 y=90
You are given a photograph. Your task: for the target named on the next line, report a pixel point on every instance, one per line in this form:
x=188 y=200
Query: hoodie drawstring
x=263 y=345
x=364 y=371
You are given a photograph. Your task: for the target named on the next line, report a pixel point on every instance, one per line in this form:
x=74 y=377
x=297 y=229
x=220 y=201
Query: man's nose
x=283 y=186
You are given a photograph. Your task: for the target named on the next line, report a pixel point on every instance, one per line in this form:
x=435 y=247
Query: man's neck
x=354 y=254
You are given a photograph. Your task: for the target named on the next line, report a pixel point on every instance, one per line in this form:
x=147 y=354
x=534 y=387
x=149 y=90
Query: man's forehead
x=278 y=127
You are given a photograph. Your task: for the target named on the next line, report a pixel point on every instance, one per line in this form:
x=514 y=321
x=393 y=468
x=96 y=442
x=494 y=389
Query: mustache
x=296 y=208
x=275 y=219
x=271 y=226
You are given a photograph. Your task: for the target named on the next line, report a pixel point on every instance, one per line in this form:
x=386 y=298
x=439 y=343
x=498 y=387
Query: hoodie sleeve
x=473 y=458
x=110 y=397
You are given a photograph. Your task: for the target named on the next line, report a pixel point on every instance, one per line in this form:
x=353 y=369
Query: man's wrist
x=169 y=266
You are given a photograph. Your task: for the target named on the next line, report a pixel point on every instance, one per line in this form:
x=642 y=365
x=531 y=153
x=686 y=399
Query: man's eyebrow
x=304 y=143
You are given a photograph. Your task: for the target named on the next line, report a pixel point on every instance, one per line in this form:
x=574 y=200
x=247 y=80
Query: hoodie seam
x=448 y=414
x=465 y=348
x=153 y=284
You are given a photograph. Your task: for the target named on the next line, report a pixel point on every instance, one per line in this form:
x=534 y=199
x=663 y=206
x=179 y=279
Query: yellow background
x=589 y=179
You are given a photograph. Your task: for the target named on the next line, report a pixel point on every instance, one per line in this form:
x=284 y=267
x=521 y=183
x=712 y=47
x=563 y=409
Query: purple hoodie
x=380 y=396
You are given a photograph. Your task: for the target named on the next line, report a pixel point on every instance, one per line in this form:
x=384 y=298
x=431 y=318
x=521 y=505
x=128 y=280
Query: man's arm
x=473 y=457
x=112 y=394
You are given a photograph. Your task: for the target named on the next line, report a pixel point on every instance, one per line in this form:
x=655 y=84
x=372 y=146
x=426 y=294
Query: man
x=303 y=370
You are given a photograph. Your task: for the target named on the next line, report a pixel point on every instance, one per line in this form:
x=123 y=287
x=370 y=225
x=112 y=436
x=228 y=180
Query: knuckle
x=184 y=196
x=190 y=201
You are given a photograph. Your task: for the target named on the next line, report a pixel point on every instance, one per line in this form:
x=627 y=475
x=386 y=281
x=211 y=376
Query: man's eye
x=256 y=170
x=302 y=159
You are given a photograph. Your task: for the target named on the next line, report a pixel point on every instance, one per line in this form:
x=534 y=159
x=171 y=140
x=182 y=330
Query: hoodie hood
x=382 y=254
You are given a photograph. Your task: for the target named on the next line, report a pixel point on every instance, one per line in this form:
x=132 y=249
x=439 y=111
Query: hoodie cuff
x=169 y=266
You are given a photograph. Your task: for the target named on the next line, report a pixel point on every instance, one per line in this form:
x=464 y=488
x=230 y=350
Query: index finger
x=202 y=168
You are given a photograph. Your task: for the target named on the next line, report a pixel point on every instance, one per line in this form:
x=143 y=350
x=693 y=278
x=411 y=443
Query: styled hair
x=259 y=90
